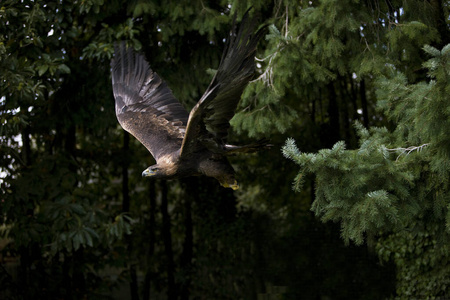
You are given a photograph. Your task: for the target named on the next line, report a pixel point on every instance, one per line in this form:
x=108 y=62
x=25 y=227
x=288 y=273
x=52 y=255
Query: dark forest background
x=354 y=93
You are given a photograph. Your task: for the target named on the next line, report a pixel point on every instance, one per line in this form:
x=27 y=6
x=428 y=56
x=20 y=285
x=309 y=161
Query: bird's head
x=161 y=170
x=154 y=171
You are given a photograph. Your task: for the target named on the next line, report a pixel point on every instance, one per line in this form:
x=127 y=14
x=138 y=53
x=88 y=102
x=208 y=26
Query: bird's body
x=185 y=144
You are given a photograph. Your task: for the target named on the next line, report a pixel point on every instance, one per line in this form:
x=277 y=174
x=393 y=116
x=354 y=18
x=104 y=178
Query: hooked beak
x=148 y=172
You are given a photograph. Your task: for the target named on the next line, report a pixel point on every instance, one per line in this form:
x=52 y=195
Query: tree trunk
x=188 y=244
x=362 y=92
x=133 y=283
x=151 y=238
x=126 y=208
x=441 y=23
x=26 y=146
x=167 y=238
x=332 y=130
x=333 y=110
x=125 y=164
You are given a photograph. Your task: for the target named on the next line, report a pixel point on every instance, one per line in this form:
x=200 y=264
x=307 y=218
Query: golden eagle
x=186 y=144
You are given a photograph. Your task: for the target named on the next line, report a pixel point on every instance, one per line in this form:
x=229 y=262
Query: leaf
x=88 y=238
x=431 y=50
x=77 y=209
x=76 y=240
x=42 y=69
x=64 y=69
x=92 y=232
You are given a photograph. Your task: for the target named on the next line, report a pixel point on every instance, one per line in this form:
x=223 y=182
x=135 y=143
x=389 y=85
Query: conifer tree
x=392 y=189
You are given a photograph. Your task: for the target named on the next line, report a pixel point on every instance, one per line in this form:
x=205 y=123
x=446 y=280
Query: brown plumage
x=186 y=144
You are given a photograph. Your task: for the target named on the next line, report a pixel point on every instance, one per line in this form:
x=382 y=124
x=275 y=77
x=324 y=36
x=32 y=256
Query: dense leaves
x=393 y=188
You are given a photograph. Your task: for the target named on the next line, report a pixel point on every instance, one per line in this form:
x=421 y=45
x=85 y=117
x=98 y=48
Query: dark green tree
x=392 y=188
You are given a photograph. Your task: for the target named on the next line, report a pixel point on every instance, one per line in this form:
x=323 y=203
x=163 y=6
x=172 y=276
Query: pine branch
x=407 y=151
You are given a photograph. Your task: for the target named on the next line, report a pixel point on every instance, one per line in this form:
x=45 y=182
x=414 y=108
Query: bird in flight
x=186 y=144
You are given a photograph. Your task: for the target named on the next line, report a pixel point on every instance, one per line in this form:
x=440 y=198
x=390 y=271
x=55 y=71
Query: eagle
x=186 y=144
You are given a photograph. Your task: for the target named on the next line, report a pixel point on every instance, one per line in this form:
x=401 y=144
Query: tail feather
x=251 y=148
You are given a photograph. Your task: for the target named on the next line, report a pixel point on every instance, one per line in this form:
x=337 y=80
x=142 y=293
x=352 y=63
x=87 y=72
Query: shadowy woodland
x=351 y=202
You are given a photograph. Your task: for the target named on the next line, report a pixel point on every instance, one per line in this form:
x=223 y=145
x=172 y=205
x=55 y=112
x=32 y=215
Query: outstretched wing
x=145 y=106
x=209 y=120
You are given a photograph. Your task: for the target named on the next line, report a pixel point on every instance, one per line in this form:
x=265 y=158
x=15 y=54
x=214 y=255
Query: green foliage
x=380 y=184
x=421 y=256
x=364 y=189
x=421 y=110
x=263 y=107
x=370 y=190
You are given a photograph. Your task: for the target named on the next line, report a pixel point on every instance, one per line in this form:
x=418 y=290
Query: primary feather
x=145 y=106
x=210 y=118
